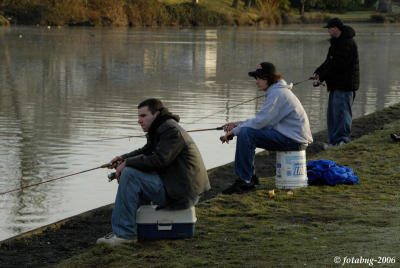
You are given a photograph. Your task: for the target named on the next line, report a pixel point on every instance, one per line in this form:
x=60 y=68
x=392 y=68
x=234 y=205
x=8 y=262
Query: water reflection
x=63 y=91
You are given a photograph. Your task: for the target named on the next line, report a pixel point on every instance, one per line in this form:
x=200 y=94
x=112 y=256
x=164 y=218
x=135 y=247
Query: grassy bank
x=4 y=21
x=308 y=229
x=164 y=13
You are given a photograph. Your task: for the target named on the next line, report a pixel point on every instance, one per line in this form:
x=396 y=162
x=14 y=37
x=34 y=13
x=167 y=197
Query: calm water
x=63 y=91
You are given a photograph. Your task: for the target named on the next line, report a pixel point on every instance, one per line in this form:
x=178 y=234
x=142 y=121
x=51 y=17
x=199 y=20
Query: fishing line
x=138 y=136
x=59 y=178
x=241 y=103
x=201 y=118
x=118 y=138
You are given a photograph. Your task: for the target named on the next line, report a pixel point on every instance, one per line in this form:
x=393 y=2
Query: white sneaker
x=113 y=240
x=340 y=143
x=327 y=146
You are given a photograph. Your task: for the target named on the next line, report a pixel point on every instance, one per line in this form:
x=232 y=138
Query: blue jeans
x=339 y=115
x=249 y=139
x=135 y=188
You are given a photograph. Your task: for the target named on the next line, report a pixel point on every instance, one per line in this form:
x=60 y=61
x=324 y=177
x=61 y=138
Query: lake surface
x=65 y=93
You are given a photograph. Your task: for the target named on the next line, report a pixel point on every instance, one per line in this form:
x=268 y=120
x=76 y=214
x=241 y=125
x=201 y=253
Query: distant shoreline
x=161 y=14
x=308 y=19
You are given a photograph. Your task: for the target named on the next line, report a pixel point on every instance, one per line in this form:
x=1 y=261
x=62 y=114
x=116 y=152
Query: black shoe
x=395 y=137
x=254 y=180
x=239 y=187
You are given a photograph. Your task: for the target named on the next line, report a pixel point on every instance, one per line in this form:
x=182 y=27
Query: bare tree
x=303 y=2
x=385 y=6
x=235 y=3
x=249 y=3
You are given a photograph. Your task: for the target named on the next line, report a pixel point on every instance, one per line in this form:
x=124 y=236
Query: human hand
x=115 y=162
x=228 y=136
x=229 y=126
x=119 y=170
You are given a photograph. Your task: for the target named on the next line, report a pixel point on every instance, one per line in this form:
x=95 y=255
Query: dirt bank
x=78 y=234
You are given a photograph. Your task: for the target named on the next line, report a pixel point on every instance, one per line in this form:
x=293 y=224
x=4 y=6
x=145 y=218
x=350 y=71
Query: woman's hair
x=272 y=78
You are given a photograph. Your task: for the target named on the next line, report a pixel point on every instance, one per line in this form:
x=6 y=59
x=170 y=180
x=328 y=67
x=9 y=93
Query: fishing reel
x=111 y=177
x=317 y=84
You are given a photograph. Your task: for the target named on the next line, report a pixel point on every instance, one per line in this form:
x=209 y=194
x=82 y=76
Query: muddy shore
x=54 y=243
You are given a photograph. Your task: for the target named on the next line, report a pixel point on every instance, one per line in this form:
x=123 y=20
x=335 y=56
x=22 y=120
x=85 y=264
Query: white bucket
x=291 y=170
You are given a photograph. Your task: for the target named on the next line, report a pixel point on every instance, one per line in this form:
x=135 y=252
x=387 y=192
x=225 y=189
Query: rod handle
x=105 y=165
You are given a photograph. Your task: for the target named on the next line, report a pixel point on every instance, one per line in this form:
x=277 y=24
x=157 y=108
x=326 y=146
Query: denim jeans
x=135 y=188
x=249 y=139
x=339 y=115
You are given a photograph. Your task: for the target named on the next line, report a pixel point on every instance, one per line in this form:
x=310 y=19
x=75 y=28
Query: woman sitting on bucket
x=280 y=125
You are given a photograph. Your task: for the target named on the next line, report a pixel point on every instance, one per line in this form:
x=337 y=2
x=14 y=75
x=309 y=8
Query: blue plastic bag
x=322 y=171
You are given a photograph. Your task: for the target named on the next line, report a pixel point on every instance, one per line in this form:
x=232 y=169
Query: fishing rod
x=142 y=136
x=296 y=83
x=91 y=169
x=206 y=129
x=201 y=118
x=59 y=178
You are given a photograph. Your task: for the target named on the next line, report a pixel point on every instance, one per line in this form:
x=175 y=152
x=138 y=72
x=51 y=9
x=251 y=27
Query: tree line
x=303 y=5
x=157 y=13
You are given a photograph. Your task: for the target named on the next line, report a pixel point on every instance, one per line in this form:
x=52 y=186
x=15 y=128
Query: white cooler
x=164 y=223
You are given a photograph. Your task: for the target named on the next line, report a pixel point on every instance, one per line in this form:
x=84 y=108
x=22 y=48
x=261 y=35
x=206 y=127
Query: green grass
x=308 y=229
x=353 y=16
x=396 y=7
x=356 y=16
x=3 y=21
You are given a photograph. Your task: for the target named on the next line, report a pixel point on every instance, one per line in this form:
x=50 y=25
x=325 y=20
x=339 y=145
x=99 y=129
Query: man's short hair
x=153 y=104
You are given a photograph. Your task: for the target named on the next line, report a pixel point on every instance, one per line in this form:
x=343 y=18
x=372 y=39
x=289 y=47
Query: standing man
x=280 y=125
x=168 y=171
x=341 y=72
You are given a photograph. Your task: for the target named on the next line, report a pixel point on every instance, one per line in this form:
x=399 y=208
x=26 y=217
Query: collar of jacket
x=280 y=84
x=347 y=33
x=160 y=119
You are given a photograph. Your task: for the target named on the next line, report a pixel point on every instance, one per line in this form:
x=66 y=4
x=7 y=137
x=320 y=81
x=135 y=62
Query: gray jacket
x=172 y=153
x=283 y=112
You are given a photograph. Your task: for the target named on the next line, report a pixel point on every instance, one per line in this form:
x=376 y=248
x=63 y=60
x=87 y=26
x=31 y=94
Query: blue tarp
x=322 y=171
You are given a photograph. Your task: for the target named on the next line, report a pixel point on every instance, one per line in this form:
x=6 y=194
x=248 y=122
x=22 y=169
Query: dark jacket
x=341 y=70
x=172 y=153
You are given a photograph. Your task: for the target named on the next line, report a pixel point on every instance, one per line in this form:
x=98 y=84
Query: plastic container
x=291 y=170
x=165 y=224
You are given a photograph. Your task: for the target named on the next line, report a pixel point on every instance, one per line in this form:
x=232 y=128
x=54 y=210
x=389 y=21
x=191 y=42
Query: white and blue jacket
x=283 y=112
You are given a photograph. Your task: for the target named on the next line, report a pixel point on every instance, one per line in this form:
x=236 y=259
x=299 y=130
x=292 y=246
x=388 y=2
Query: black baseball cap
x=334 y=22
x=263 y=70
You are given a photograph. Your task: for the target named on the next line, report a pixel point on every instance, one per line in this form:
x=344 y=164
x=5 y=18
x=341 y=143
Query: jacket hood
x=161 y=118
x=164 y=112
x=347 y=32
x=281 y=84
